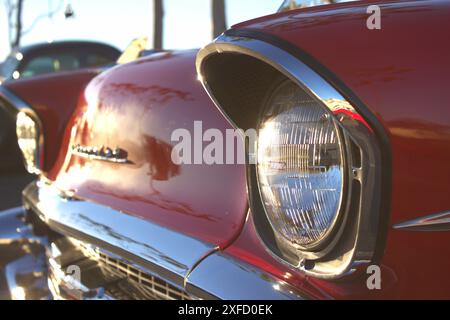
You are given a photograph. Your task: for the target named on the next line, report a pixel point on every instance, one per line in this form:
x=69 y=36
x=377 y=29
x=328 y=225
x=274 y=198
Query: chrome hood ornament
x=102 y=153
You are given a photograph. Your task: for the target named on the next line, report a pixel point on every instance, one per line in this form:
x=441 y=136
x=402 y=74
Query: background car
x=44 y=58
x=41 y=59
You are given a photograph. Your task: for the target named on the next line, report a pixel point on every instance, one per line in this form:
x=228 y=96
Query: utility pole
x=18 y=26
x=158 y=27
x=218 y=17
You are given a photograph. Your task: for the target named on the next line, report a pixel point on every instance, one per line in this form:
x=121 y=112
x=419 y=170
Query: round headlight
x=300 y=166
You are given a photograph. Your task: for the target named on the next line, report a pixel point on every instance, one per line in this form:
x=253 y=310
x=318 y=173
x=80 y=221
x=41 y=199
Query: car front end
x=328 y=204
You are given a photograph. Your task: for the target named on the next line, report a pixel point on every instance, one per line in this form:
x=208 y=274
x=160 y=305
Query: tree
x=158 y=20
x=218 y=17
x=16 y=41
x=14 y=10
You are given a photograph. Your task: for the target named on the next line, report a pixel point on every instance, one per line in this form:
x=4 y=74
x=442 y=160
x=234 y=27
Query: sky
x=187 y=22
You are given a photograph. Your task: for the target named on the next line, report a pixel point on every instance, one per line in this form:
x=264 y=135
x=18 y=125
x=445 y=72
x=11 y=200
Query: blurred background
x=171 y=24
x=38 y=37
x=167 y=24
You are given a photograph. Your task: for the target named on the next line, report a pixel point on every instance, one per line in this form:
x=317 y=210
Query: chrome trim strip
x=101 y=158
x=162 y=251
x=14 y=101
x=434 y=223
x=181 y=260
x=279 y=59
x=118 y=155
x=223 y=277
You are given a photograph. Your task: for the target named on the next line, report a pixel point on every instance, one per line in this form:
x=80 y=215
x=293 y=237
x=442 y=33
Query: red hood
x=136 y=107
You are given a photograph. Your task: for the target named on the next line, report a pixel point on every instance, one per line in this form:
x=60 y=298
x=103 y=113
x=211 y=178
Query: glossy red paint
x=53 y=97
x=137 y=107
x=401 y=73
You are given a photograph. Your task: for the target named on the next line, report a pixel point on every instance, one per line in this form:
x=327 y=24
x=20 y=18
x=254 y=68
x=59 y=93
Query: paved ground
x=11 y=186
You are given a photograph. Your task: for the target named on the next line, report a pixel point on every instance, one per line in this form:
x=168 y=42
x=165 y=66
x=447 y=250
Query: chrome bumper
x=139 y=255
x=25 y=270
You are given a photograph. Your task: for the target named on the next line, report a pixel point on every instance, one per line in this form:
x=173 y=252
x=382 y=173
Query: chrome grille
x=152 y=287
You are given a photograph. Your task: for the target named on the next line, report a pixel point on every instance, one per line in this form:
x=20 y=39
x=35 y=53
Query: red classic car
x=342 y=194
x=39 y=59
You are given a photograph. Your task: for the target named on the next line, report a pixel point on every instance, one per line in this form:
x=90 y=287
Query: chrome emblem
x=102 y=153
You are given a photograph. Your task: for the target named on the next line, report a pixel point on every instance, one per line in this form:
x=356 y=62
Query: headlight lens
x=28 y=139
x=300 y=166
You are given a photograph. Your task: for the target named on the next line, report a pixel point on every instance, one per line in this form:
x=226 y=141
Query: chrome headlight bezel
x=358 y=238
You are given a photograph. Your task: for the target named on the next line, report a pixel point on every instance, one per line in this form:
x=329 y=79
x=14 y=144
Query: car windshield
x=8 y=67
x=296 y=4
